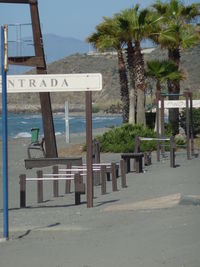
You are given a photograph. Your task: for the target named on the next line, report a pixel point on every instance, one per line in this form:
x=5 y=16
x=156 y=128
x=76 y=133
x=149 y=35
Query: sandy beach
x=153 y=222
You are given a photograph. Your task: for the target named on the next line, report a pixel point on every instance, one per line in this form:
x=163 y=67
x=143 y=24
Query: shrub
x=95 y=109
x=196 y=120
x=122 y=139
x=180 y=140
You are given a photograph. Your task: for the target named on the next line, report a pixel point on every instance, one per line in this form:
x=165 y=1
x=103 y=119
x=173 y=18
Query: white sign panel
x=179 y=104
x=53 y=83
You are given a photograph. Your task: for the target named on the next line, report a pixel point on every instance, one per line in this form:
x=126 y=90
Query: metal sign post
x=4 y=68
x=67 y=122
x=88 y=104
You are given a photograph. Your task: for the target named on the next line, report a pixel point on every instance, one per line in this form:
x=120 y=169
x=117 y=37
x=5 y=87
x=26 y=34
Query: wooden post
x=103 y=179
x=136 y=150
x=162 y=122
x=123 y=174
x=172 y=152
x=96 y=159
x=55 y=182
x=96 y=151
x=76 y=192
x=157 y=124
x=22 y=182
x=79 y=188
x=187 y=125
x=114 y=178
x=138 y=164
x=45 y=100
x=137 y=144
x=39 y=187
x=90 y=193
x=191 y=126
x=68 y=182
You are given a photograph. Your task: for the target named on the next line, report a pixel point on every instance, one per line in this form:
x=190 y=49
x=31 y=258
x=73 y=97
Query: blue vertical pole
x=4 y=137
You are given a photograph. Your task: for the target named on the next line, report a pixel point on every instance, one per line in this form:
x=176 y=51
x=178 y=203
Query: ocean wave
x=103 y=118
x=23 y=135
x=19 y=125
x=58 y=133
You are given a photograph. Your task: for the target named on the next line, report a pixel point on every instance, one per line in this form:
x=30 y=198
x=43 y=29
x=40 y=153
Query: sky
x=76 y=18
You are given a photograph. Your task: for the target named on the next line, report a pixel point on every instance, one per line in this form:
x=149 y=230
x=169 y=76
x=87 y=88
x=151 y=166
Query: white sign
x=179 y=104
x=53 y=83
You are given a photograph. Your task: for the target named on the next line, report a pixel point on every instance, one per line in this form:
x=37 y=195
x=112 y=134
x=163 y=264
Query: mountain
x=106 y=64
x=55 y=47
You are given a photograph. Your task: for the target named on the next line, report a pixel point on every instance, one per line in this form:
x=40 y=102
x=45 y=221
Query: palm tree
x=107 y=36
x=177 y=33
x=127 y=26
x=162 y=71
x=137 y=26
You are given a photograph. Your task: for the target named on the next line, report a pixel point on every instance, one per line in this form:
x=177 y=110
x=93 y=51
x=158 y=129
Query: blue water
x=19 y=125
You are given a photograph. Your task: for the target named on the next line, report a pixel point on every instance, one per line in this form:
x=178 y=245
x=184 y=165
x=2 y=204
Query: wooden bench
x=44 y=162
x=138 y=161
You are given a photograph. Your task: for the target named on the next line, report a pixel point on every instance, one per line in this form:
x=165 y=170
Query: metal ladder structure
x=38 y=61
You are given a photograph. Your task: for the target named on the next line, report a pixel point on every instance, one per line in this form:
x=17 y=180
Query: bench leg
x=108 y=176
x=138 y=165
x=77 y=198
x=127 y=164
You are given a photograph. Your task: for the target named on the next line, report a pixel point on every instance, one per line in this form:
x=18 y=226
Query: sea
x=19 y=125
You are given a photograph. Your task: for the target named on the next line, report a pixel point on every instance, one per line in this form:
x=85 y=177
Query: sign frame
x=82 y=82
x=179 y=104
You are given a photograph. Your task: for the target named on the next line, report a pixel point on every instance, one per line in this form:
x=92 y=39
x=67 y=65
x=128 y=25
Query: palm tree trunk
x=123 y=85
x=132 y=91
x=132 y=106
x=174 y=88
x=140 y=84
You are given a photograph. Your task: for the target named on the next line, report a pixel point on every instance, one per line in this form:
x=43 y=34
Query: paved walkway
x=152 y=223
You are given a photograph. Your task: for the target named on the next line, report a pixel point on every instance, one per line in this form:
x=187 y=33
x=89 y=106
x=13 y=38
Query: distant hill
x=55 y=47
x=107 y=65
